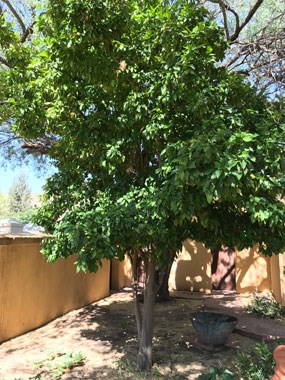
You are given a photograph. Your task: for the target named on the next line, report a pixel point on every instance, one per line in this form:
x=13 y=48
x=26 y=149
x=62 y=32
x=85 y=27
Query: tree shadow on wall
x=252 y=271
x=193 y=273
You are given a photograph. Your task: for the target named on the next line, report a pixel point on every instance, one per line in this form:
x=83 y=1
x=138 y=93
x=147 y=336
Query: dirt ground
x=105 y=334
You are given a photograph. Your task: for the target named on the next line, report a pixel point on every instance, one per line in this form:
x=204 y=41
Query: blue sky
x=34 y=176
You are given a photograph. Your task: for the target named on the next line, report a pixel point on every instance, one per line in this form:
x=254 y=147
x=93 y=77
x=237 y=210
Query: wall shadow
x=193 y=268
x=253 y=271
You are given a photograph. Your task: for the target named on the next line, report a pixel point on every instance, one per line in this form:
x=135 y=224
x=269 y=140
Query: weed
x=265 y=306
x=256 y=365
x=56 y=364
x=218 y=374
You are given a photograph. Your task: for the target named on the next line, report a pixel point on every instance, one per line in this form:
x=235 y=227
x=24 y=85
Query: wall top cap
x=10 y=222
x=11 y=226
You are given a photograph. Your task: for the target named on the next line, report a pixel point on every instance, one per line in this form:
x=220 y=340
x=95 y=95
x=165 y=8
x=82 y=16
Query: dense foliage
x=257 y=364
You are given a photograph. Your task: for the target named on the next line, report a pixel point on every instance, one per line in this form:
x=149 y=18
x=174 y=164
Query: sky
x=35 y=178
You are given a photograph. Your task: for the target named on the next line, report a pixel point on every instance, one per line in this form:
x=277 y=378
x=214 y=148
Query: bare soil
x=105 y=334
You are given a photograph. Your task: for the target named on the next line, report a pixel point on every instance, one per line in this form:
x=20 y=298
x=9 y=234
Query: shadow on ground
x=105 y=332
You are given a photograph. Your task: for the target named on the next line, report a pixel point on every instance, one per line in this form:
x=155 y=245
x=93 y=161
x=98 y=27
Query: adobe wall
x=121 y=273
x=34 y=292
x=253 y=271
x=191 y=271
x=278 y=277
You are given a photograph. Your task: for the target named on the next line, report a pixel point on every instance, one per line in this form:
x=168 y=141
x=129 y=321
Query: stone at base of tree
x=279 y=357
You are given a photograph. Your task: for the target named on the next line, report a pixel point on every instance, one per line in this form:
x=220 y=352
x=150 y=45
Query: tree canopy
x=18 y=29
x=154 y=141
x=254 y=30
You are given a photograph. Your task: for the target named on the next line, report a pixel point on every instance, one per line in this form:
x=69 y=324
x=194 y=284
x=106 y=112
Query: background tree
x=155 y=143
x=256 y=34
x=4 y=206
x=19 y=196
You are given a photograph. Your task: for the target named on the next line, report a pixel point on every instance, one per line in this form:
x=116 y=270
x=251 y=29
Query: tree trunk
x=144 y=357
x=144 y=319
x=163 y=291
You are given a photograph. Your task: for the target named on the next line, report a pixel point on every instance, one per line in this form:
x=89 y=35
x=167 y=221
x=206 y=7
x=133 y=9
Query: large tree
x=154 y=141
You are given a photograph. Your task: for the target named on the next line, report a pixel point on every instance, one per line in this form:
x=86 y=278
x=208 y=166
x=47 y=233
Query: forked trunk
x=145 y=317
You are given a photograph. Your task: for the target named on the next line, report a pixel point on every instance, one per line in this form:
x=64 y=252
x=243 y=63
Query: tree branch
x=225 y=6
x=7 y=141
x=249 y=16
x=4 y=62
x=28 y=32
x=16 y=15
x=223 y=9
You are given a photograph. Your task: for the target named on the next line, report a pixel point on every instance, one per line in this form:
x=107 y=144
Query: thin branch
x=28 y=32
x=5 y=62
x=228 y=8
x=36 y=147
x=235 y=57
x=16 y=15
x=223 y=9
x=249 y=16
x=225 y=6
x=9 y=140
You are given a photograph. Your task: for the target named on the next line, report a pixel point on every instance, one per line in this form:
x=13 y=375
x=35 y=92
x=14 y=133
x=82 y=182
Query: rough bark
x=144 y=357
x=144 y=311
x=135 y=274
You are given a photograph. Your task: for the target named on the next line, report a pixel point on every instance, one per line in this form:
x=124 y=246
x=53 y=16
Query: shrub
x=265 y=306
x=217 y=374
x=255 y=365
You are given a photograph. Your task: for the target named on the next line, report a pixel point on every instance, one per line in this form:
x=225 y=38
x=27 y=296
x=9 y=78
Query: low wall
x=192 y=269
x=278 y=277
x=121 y=273
x=34 y=292
x=254 y=272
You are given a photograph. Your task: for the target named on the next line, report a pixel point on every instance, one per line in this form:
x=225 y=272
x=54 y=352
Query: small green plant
x=256 y=365
x=218 y=374
x=67 y=362
x=56 y=364
x=265 y=307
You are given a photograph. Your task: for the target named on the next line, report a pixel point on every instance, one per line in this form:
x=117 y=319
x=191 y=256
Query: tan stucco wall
x=253 y=271
x=33 y=292
x=121 y=273
x=192 y=269
x=278 y=277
